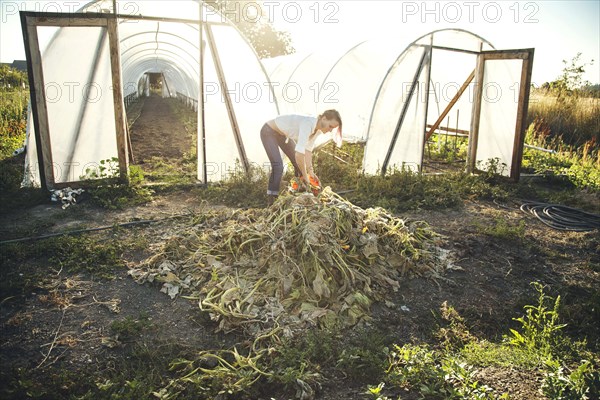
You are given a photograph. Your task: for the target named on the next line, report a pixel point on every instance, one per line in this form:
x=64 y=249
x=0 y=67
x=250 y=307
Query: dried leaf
x=320 y=286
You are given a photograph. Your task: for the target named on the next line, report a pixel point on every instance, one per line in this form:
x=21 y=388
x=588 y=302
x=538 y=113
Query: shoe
x=271 y=199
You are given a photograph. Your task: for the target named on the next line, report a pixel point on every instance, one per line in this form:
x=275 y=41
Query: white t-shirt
x=298 y=128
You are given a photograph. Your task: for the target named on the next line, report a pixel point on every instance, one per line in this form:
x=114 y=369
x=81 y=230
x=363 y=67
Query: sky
x=557 y=30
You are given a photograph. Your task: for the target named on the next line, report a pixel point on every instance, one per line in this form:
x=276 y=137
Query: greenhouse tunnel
x=392 y=94
x=74 y=54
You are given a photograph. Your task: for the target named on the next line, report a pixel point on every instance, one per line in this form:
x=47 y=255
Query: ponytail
x=334 y=115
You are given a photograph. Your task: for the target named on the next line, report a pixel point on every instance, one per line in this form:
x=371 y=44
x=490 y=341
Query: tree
x=252 y=20
x=571 y=78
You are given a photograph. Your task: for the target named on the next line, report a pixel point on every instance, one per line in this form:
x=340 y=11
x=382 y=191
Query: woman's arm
x=308 y=161
x=304 y=162
x=301 y=161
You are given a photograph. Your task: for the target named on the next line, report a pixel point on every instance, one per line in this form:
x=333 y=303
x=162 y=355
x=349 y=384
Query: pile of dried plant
x=305 y=261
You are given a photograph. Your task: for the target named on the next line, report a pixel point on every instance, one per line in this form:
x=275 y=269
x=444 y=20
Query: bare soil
x=69 y=333
x=158 y=132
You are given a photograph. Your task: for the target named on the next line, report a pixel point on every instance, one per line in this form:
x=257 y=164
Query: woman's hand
x=314 y=181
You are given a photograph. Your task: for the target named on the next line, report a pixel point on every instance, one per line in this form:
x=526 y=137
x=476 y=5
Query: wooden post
x=522 y=107
x=38 y=103
x=201 y=142
x=476 y=114
x=120 y=120
x=228 y=103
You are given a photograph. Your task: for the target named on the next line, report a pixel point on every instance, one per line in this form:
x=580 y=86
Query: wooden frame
x=38 y=105
x=29 y=23
x=523 y=101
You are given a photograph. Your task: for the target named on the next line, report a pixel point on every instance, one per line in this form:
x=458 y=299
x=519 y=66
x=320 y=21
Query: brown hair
x=335 y=115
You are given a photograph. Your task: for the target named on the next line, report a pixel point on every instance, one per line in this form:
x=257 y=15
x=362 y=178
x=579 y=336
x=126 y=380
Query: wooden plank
x=506 y=54
x=201 y=142
x=475 y=115
x=91 y=16
x=66 y=20
x=456 y=97
x=455 y=50
x=38 y=103
x=84 y=183
x=228 y=102
x=448 y=129
x=521 y=122
x=119 y=108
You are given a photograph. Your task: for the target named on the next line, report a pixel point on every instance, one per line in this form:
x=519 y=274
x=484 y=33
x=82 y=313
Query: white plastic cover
x=499 y=105
x=392 y=99
x=79 y=100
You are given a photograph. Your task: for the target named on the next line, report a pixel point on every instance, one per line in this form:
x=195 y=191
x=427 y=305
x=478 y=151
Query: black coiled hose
x=562 y=217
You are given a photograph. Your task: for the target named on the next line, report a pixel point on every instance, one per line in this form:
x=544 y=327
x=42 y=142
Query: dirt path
x=158 y=132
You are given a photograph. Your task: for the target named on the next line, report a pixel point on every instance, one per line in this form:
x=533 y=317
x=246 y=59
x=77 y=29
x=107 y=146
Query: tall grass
x=570 y=127
x=574 y=120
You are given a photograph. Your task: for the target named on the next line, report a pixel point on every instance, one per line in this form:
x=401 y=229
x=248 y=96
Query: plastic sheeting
x=79 y=102
x=397 y=124
x=499 y=105
x=370 y=83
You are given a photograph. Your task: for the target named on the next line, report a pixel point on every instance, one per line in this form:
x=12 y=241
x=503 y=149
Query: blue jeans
x=273 y=141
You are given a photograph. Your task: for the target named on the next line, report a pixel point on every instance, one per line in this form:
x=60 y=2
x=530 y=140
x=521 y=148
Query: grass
x=130 y=327
x=360 y=355
x=504 y=230
x=142 y=371
x=27 y=264
x=573 y=120
x=537 y=346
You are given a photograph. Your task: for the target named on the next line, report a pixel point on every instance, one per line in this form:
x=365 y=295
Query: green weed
x=130 y=327
x=13 y=119
x=107 y=192
x=453 y=332
x=540 y=330
x=449 y=370
x=503 y=229
x=581 y=382
x=568 y=165
x=435 y=374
